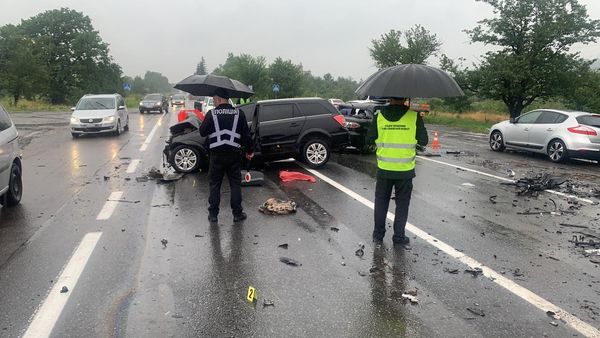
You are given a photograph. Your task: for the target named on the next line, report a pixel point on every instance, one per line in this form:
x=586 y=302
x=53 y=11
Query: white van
x=11 y=184
x=99 y=114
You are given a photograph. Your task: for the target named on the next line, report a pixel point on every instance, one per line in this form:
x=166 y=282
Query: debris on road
x=493 y=199
x=198 y=236
x=106 y=178
x=289 y=176
x=411 y=298
x=164 y=242
x=274 y=206
x=550 y=313
x=360 y=251
x=412 y=292
x=141 y=179
x=268 y=302
x=289 y=261
x=476 y=311
x=573 y=226
x=452 y=271
x=334 y=229
x=64 y=289
x=475 y=271
x=283 y=246
x=510 y=172
x=362 y=273
x=532 y=185
x=553 y=323
x=517 y=273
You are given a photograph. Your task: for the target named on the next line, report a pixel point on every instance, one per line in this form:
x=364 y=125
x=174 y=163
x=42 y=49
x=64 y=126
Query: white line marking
x=468 y=184
x=133 y=166
x=505 y=179
x=532 y=298
x=151 y=135
x=110 y=206
x=48 y=313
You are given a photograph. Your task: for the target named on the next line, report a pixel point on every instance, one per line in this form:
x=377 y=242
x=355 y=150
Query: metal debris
x=475 y=271
x=334 y=229
x=274 y=206
x=411 y=298
x=452 y=271
x=573 y=226
x=493 y=199
x=553 y=323
x=64 y=289
x=476 y=311
x=268 y=302
x=283 y=246
x=289 y=261
x=164 y=242
x=531 y=186
x=360 y=251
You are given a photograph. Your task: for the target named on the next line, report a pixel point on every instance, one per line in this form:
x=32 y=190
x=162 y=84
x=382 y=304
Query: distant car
x=208 y=104
x=557 y=133
x=154 y=102
x=105 y=113
x=11 y=184
x=178 y=100
x=336 y=103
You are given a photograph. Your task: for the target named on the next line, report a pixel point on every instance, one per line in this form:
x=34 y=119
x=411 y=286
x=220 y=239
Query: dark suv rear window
x=312 y=108
x=589 y=120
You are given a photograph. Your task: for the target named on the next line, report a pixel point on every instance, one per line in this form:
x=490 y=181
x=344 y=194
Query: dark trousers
x=383 y=192
x=219 y=165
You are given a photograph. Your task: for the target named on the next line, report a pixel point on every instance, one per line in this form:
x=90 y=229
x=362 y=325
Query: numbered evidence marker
x=251 y=297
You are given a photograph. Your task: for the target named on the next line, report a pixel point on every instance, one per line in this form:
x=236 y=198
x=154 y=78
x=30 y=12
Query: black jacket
x=395 y=113
x=226 y=122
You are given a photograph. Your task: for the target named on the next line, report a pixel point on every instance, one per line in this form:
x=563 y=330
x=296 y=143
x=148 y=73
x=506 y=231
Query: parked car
x=11 y=184
x=105 y=113
x=336 y=103
x=557 y=133
x=307 y=129
x=154 y=102
x=359 y=117
x=178 y=100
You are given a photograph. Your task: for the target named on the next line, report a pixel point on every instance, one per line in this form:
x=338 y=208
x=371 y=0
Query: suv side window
x=529 y=117
x=275 y=112
x=311 y=108
x=5 y=121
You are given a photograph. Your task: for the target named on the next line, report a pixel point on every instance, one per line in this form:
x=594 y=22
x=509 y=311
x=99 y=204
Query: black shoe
x=212 y=218
x=403 y=241
x=240 y=217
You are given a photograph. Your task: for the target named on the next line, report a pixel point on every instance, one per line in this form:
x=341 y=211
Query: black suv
x=304 y=128
x=154 y=102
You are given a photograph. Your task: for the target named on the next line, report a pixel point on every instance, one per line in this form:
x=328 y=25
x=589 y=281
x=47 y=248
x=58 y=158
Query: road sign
x=275 y=88
x=126 y=86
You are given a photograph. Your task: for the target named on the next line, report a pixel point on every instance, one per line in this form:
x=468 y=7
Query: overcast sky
x=325 y=36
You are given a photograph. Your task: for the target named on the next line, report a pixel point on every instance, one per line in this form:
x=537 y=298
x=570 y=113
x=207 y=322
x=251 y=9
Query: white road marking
x=152 y=132
x=505 y=179
x=133 y=166
x=48 y=313
x=110 y=206
x=468 y=184
x=527 y=295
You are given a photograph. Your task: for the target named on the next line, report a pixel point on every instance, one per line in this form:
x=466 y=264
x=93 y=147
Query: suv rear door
x=279 y=126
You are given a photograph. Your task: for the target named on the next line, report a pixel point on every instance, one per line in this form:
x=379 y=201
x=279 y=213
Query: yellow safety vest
x=396 y=142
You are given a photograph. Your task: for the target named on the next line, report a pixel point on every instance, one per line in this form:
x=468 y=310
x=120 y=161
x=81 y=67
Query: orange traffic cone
x=436 y=143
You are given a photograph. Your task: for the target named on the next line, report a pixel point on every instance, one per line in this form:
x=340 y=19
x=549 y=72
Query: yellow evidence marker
x=251 y=297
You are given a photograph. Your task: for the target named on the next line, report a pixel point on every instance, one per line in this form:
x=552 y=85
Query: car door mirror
x=121 y=107
x=512 y=120
x=72 y=108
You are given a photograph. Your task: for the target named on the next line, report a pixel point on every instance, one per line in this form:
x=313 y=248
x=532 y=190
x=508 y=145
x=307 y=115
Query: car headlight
x=141 y=103
x=109 y=119
x=158 y=103
x=74 y=120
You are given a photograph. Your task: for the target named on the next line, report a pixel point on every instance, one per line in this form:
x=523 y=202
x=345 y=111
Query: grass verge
x=32 y=106
x=473 y=121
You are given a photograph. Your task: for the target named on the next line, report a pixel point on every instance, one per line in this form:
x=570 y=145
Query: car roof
x=294 y=100
x=87 y=96
x=573 y=113
x=363 y=105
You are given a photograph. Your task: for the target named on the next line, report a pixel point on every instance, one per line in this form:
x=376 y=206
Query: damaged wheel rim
x=185 y=159
x=316 y=153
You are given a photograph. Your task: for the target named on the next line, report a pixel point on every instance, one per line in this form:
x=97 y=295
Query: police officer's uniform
x=228 y=132
x=396 y=131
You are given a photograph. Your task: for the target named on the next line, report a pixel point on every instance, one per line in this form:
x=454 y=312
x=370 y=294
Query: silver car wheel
x=556 y=151
x=496 y=141
x=316 y=153
x=185 y=159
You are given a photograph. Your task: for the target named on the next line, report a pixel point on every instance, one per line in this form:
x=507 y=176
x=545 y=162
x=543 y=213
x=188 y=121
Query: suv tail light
x=352 y=125
x=340 y=119
x=582 y=130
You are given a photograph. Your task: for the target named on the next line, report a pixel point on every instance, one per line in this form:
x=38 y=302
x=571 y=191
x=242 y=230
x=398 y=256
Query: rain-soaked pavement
x=155 y=267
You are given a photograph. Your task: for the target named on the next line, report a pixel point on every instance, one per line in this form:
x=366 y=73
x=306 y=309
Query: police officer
x=396 y=131
x=228 y=133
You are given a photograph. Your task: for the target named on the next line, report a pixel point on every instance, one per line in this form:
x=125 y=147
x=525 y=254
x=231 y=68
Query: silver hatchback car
x=557 y=133
x=11 y=185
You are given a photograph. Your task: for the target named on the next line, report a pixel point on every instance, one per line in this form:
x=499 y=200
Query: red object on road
x=184 y=113
x=289 y=176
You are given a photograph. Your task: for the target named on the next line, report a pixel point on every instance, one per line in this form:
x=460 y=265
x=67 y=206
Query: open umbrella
x=410 y=80
x=208 y=85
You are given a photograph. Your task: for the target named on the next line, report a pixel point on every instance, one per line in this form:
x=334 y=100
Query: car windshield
x=152 y=97
x=178 y=97
x=96 y=103
x=589 y=120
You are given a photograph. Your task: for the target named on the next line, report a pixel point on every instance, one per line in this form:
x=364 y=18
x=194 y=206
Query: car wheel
x=15 y=188
x=557 y=151
x=75 y=135
x=497 y=141
x=117 y=132
x=368 y=149
x=185 y=159
x=141 y=111
x=315 y=153
x=126 y=128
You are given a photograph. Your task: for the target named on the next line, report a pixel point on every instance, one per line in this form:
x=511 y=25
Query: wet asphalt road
x=132 y=285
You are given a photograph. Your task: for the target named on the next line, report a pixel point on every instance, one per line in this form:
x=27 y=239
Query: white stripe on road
x=110 y=206
x=42 y=324
x=151 y=135
x=532 y=298
x=504 y=179
x=133 y=166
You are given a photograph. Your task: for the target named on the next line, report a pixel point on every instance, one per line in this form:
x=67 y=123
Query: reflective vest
x=396 y=142
x=230 y=135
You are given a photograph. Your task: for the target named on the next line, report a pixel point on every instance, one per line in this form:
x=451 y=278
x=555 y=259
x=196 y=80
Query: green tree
x=289 y=77
x=155 y=82
x=201 y=67
x=582 y=91
x=420 y=45
x=534 y=38
x=248 y=69
x=461 y=76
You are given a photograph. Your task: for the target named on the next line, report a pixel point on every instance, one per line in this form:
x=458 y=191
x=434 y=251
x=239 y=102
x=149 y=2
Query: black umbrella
x=209 y=85
x=410 y=80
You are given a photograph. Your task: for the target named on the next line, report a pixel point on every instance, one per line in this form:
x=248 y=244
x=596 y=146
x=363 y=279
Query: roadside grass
x=133 y=100
x=479 y=122
x=32 y=106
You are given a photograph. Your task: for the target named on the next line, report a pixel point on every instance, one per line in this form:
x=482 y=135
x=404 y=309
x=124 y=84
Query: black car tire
x=185 y=159
x=368 y=149
x=75 y=135
x=117 y=132
x=15 y=188
x=141 y=111
x=315 y=152
x=557 y=151
x=126 y=128
x=497 y=141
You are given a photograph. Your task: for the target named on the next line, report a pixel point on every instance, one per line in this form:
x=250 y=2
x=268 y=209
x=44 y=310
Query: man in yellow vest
x=396 y=131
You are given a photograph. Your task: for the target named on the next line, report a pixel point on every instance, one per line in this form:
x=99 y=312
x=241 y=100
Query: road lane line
x=109 y=206
x=48 y=313
x=504 y=179
x=525 y=294
x=133 y=166
x=152 y=132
